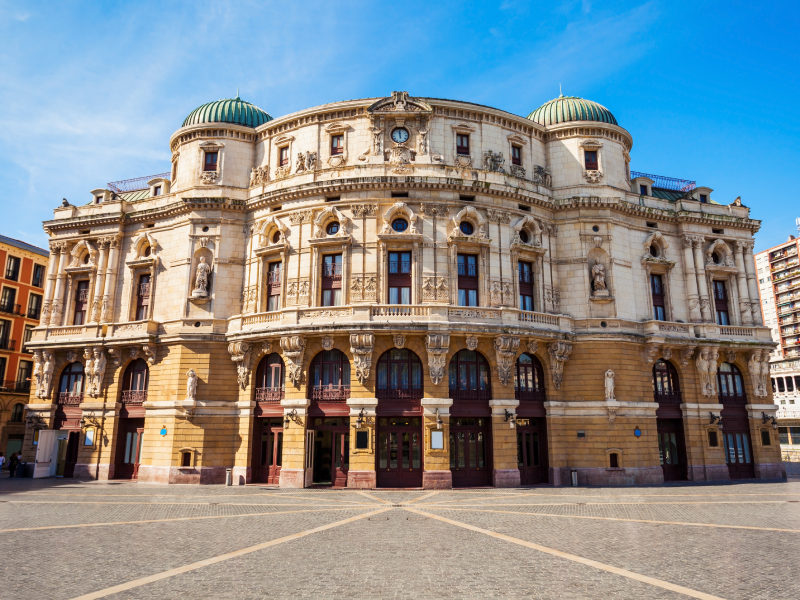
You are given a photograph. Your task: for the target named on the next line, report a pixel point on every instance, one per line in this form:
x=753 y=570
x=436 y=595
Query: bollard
x=228 y=477
x=574 y=475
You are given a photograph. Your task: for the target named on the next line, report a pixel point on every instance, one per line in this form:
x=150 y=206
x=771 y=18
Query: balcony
x=466 y=270
x=729 y=399
x=471 y=394
x=332 y=271
x=330 y=394
x=274 y=277
x=69 y=399
x=8 y=345
x=269 y=395
x=529 y=395
x=399 y=267
x=525 y=276
x=16 y=387
x=11 y=309
x=143 y=290
x=413 y=393
x=667 y=397
x=134 y=397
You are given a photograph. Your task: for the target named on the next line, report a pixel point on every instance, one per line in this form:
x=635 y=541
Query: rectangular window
x=27 y=334
x=5 y=343
x=8 y=300
x=516 y=155
x=210 y=162
x=399 y=279
x=462 y=143
x=283 y=155
x=274 y=286
x=789 y=385
x=467 y=280
x=337 y=144
x=332 y=280
x=81 y=303
x=765 y=441
x=590 y=160
x=781 y=387
x=712 y=439
x=657 y=291
x=643 y=190
x=34 y=306
x=721 y=303
x=525 y=275
x=24 y=374
x=157 y=190
x=143 y=298
x=38 y=276
x=703 y=198
x=12 y=268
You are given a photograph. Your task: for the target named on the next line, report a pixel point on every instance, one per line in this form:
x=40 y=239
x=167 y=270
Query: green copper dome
x=231 y=110
x=571 y=108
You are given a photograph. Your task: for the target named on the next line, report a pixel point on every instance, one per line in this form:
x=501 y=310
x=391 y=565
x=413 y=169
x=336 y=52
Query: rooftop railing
x=132 y=185
x=667 y=183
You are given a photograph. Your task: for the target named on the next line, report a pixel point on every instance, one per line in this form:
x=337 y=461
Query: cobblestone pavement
x=66 y=539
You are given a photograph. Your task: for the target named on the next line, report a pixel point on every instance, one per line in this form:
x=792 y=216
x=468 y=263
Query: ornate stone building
x=402 y=292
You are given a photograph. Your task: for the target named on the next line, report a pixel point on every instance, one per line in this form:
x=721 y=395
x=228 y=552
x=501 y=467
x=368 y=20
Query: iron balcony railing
x=8 y=344
x=269 y=395
x=144 y=290
x=667 y=397
x=732 y=398
x=17 y=387
x=399 y=267
x=83 y=296
x=69 y=399
x=529 y=395
x=525 y=276
x=274 y=277
x=134 y=397
x=387 y=393
x=11 y=309
x=34 y=313
x=467 y=270
x=132 y=185
x=667 y=183
x=330 y=393
x=332 y=270
x=471 y=394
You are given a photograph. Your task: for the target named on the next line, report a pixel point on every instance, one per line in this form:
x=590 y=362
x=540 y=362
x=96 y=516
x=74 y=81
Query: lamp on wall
x=765 y=418
x=35 y=421
x=290 y=415
x=438 y=420
x=511 y=419
x=716 y=419
x=89 y=419
x=360 y=419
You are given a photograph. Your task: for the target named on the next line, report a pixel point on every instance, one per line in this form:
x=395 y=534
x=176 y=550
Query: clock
x=400 y=135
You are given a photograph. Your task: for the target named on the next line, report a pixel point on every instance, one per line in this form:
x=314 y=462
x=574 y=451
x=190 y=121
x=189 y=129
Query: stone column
x=361 y=473
x=752 y=284
x=58 y=296
x=99 y=279
x=702 y=285
x=741 y=280
x=691 y=281
x=50 y=281
x=436 y=474
x=107 y=311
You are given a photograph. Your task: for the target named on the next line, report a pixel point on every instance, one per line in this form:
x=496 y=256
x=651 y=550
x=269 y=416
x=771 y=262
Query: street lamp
x=438 y=420
x=765 y=418
x=511 y=419
x=360 y=419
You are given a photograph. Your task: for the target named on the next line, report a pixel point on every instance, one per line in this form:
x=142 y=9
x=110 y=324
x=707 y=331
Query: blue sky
x=91 y=91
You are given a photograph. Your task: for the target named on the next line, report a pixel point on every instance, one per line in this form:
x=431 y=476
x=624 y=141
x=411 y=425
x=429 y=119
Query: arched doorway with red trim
x=267 y=439
x=68 y=418
x=329 y=419
x=735 y=423
x=470 y=419
x=669 y=421
x=529 y=390
x=130 y=429
x=399 y=456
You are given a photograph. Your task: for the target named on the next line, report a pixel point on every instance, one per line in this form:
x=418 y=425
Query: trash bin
x=573 y=473
x=22 y=470
x=228 y=477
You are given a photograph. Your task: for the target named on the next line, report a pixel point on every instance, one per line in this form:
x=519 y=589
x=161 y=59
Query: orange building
x=21 y=290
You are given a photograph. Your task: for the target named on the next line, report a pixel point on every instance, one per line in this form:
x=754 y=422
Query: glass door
x=399 y=454
x=468 y=452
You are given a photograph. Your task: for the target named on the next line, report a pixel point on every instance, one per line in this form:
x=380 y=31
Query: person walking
x=13 y=463
x=2 y=460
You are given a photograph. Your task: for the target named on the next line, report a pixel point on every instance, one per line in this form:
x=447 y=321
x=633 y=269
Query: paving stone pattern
x=92 y=536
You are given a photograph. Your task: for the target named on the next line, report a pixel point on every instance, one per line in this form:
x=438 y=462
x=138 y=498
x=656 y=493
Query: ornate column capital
x=240 y=354
x=437 y=346
x=505 y=347
x=293 y=347
x=559 y=354
x=361 y=346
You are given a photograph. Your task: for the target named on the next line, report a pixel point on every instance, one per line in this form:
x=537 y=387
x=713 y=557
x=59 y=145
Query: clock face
x=400 y=135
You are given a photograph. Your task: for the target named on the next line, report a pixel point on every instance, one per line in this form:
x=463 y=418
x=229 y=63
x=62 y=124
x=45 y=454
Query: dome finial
x=237 y=93
x=560 y=93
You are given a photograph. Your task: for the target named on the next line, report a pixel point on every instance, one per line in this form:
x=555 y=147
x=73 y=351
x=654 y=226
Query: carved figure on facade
x=201 y=279
x=471 y=342
x=437 y=346
x=99 y=363
x=268 y=227
x=364 y=288
x=506 y=347
x=44 y=366
x=559 y=354
x=599 y=280
x=399 y=341
x=361 y=347
x=361 y=211
x=756 y=376
x=706 y=363
x=150 y=352
x=542 y=176
x=609 y=385
x=330 y=213
x=293 y=348
x=259 y=176
x=593 y=176
x=191 y=385
x=723 y=253
x=650 y=353
x=79 y=253
x=493 y=161
x=240 y=355
x=88 y=364
x=327 y=342
x=532 y=227
x=533 y=346
x=686 y=355
x=209 y=177
x=306 y=161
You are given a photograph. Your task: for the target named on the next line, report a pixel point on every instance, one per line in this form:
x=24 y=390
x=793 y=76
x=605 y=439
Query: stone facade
x=209 y=243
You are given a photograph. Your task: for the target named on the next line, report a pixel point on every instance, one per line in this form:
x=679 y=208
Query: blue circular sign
x=163 y=431
x=637 y=432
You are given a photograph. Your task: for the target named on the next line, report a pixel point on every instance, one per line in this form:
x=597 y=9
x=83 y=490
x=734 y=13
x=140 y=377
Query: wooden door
x=532 y=451
x=71 y=458
x=738 y=447
x=469 y=452
x=268 y=450
x=129 y=448
x=399 y=456
x=671 y=448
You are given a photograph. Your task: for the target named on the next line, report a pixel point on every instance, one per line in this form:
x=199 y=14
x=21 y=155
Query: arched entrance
x=329 y=418
x=470 y=420
x=735 y=423
x=669 y=421
x=131 y=420
x=399 y=456
x=529 y=389
x=267 y=443
x=68 y=419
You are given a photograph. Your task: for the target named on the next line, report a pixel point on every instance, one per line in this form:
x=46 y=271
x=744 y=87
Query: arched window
x=269 y=379
x=16 y=412
x=665 y=382
x=469 y=376
x=731 y=385
x=399 y=376
x=529 y=379
x=330 y=377
x=70 y=387
x=134 y=382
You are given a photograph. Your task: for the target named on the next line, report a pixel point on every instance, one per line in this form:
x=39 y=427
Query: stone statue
x=201 y=279
x=191 y=384
x=610 y=385
x=98 y=371
x=599 y=280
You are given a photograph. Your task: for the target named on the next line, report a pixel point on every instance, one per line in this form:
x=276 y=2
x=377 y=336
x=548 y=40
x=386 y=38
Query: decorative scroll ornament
x=191 y=385
x=472 y=343
x=327 y=342
x=364 y=210
x=240 y=354
x=559 y=354
x=706 y=363
x=506 y=347
x=150 y=351
x=686 y=356
x=650 y=353
x=361 y=346
x=115 y=356
x=99 y=363
x=437 y=345
x=399 y=341
x=293 y=347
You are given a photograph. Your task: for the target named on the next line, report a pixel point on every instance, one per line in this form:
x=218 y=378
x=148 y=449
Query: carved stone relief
x=506 y=347
x=399 y=341
x=472 y=343
x=437 y=345
x=559 y=354
x=293 y=348
x=361 y=346
x=240 y=354
x=327 y=342
x=435 y=288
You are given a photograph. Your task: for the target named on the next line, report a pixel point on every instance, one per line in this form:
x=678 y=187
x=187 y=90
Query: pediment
x=401 y=103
